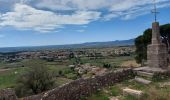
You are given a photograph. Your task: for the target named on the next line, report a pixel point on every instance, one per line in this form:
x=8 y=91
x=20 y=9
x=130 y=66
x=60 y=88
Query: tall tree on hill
x=142 y=41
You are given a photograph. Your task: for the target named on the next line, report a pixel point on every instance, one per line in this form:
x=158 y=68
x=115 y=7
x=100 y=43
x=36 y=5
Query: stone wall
x=83 y=87
x=7 y=94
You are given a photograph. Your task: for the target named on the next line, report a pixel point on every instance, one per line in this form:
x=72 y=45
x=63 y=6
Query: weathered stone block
x=132 y=92
x=143 y=81
x=157 y=56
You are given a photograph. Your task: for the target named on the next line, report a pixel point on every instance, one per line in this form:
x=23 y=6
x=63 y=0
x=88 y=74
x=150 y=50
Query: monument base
x=157 y=56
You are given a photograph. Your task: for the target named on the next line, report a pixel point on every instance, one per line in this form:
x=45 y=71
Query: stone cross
x=156 y=51
x=155 y=12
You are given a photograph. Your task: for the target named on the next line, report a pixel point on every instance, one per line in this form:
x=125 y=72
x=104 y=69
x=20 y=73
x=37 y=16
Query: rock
x=8 y=94
x=164 y=85
x=113 y=98
x=135 y=93
x=149 y=69
x=143 y=81
x=105 y=91
x=145 y=74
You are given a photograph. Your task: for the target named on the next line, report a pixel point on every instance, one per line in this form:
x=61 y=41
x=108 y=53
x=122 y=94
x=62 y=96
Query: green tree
x=107 y=65
x=36 y=80
x=142 y=41
x=71 y=55
x=165 y=33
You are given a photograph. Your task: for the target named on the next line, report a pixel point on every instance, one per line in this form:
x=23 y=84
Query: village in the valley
x=140 y=71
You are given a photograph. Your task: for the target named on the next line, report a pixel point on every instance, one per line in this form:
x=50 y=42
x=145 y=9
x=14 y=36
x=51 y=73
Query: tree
x=71 y=55
x=107 y=65
x=165 y=33
x=36 y=80
x=142 y=41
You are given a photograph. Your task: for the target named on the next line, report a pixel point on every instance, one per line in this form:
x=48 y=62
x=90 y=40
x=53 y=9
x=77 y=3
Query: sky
x=57 y=22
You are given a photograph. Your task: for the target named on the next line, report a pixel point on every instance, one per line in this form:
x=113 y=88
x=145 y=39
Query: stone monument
x=157 y=54
x=157 y=57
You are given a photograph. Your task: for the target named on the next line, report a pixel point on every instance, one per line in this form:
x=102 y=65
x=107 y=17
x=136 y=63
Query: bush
x=106 y=65
x=67 y=71
x=71 y=76
x=115 y=91
x=35 y=81
x=60 y=73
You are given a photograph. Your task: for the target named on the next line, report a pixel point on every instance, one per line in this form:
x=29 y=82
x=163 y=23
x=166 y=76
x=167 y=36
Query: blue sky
x=55 y=22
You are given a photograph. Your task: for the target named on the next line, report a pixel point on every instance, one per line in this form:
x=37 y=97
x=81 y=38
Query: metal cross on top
x=154 y=11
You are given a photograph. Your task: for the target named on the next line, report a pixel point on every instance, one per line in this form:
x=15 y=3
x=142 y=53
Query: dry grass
x=131 y=63
x=155 y=94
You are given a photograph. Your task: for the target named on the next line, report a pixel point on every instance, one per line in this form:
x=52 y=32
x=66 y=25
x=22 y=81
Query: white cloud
x=123 y=9
x=74 y=4
x=26 y=17
x=130 y=9
x=48 y=15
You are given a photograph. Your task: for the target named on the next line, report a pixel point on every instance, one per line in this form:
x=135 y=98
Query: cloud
x=26 y=17
x=48 y=15
x=74 y=4
x=130 y=9
x=123 y=9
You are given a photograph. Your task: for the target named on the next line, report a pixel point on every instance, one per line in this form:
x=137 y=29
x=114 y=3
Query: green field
x=14 y=70
x=8 y=77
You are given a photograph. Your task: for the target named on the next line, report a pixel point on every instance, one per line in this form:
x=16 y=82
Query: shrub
x=115 y=91
x=60 y=73
x=106 y=65
x=71 y=76
x=35 y=81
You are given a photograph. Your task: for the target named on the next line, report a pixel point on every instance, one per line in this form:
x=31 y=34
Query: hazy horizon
x=64 y=44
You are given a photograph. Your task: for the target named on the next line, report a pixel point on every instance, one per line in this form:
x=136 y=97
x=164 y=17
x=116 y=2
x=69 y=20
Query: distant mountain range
x=70 y=46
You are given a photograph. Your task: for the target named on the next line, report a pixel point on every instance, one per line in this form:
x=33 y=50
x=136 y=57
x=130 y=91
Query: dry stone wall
x=83 y=87
x=7 y=94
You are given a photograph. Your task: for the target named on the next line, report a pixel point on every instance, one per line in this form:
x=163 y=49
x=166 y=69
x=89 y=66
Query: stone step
x=150 y=69
x=132 y=92
x=142 y=80
x=145 y=74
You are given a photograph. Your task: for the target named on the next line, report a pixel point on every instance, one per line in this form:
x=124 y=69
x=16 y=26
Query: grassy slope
x=152 y=91
x=8 y=78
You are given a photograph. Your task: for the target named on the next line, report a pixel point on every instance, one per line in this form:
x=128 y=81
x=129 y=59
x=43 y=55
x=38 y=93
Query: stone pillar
x=155 y=33
x=157 y=54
